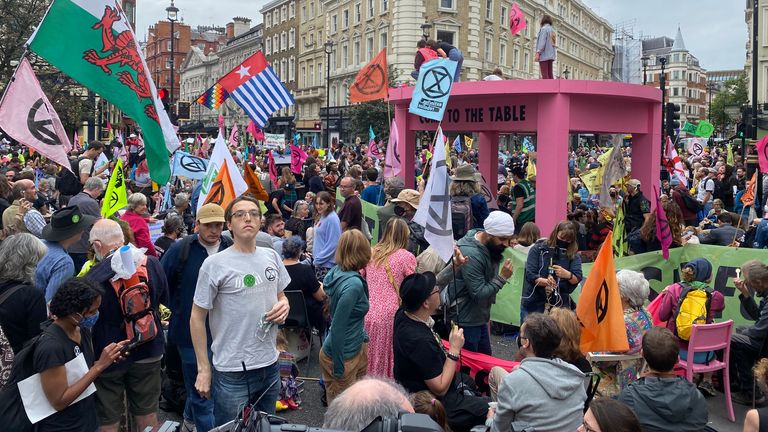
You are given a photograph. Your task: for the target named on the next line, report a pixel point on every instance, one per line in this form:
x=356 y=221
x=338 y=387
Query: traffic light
x=182 y=110
x=673 y=118
x=748 y=130
x=163 y=95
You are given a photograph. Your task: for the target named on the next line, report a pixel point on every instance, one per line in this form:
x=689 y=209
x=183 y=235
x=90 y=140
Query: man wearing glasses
x=240 y=291
x=476 y=284
x=351 y=213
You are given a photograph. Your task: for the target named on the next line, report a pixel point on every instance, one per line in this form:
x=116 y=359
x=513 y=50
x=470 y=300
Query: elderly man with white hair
x=359 y=405
x=137 y=218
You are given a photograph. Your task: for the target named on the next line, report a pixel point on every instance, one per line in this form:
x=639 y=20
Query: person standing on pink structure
x=546 y=47
x=390 y=264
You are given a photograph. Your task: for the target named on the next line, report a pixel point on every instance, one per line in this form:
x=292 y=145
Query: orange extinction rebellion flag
x=371 y=83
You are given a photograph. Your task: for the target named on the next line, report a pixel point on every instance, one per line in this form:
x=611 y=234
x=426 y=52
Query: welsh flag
x=92 y=41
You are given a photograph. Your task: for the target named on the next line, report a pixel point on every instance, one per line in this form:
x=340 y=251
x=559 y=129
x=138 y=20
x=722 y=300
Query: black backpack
x=68 y=182
x=461 y=216
x=13 y=417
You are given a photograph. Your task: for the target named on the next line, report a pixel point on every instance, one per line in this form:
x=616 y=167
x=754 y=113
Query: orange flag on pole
x=748 y=196
x=255 y=187
x=222 y=190
x=599 y=308
x=371 y=82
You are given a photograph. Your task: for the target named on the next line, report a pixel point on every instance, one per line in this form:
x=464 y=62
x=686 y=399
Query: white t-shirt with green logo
x=237 y=289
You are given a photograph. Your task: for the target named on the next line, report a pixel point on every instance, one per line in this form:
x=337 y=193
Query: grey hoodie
x=665 y=404
x=541 y=395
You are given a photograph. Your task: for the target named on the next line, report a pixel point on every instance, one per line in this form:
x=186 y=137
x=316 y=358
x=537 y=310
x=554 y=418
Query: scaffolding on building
x=627 y=52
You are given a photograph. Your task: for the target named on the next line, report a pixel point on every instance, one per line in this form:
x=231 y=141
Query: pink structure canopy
x=550 y=109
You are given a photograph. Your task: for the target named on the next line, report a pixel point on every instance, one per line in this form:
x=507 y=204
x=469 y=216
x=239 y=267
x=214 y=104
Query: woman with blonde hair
x=344 y=355
x=569 y=344
x=390 y=264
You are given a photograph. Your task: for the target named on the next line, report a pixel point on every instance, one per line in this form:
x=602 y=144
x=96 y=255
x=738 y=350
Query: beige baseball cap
x=210 y=213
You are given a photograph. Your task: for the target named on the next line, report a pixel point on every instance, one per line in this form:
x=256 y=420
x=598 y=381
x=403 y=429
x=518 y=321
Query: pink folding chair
x=711 y=337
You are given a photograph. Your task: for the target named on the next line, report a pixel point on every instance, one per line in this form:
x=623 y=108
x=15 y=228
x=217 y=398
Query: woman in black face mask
x=552 y=271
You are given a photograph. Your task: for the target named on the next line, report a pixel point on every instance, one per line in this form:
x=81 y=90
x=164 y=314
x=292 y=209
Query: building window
x=291 y=69
x=275 y=44
x=320 y=72
x=504 y=15
x=384 y=5
x=358 y=12
x=303 y=81
x=368 y=48
x=674 y=91
x=446 y=36
x=334 y=25
x=527 y=61
x=283 y=14
x=503 y=54
x=291 y=38
x=168 y=64
x=333 y=61
x=303 y=13
x=311 y=82
x=292 y=10
x=488 y=48
x=515 y=56
x=447 y=4
x=267 y=20
x=345 y=19
x=356 y=52
x=283 y=70
x=168 y=45
x=370 y=9
x=489 y=9
x=382 y=40
x=268 y=46
x=345 y=55
x=312 y=9
x=283 y=41
x=333 y=95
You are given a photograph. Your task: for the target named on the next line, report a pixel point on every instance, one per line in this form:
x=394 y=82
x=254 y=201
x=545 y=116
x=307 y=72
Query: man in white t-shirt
x=706 y=189
x=240 y=292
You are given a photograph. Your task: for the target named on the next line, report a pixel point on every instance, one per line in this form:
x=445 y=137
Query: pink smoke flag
x=234 y=136
x=27 y=116
x=663 y=232
x=762 y=153
x=516 y=20
x=673 y=163
x=392 y=160
x=373 y=150
x=298 y=157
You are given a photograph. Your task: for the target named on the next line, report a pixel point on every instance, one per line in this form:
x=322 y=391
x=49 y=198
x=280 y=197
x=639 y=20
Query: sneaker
x=743 y=398
x=707 y=389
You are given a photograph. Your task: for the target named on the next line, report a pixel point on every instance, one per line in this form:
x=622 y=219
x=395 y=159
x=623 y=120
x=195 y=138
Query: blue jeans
x=197 y=409
x=477 y=339
x=233 y=390
x=456 y=55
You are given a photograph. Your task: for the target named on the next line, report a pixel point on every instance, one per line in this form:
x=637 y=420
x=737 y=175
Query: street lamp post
x=710 y=87
x=645 y=59
x=328 y=46
x=663 y=85
x=425 y=30
x=566 y=72
x=173 y=15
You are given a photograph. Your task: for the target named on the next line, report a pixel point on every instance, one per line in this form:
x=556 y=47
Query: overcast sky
x=713 y=30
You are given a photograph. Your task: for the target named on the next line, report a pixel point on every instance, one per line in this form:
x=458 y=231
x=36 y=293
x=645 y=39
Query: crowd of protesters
x=223 y=272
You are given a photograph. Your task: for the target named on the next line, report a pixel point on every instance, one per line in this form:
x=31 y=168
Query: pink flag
x=298 y=157
x=221 y=122
x=762 y=153
x=204 y=147
x=663 y=232
x=273 y=168
x=234 y=136
x=27 y=116
x=673 y=163
x=373 y=150
x=516 y=19
x=392 y=161
x=76 y=142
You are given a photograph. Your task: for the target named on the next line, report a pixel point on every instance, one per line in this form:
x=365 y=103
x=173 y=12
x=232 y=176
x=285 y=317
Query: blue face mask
x=89 y=322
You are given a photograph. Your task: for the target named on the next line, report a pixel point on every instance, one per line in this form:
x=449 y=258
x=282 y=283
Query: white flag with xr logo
x=434 y=212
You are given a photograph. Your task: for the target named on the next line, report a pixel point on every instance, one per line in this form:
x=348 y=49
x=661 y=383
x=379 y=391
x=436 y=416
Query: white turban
x=499 y=224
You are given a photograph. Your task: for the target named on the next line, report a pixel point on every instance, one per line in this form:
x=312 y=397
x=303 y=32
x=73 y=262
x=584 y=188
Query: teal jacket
x=476 y=284
x=348 y=292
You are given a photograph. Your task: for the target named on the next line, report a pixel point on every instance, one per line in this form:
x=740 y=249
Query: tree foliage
x=17 y=22
x=734 y=92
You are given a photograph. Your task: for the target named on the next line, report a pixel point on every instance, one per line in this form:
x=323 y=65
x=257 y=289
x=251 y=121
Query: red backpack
x=136 y=306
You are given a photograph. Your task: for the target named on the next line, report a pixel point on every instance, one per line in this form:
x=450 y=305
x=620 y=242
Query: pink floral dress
x=384 y=302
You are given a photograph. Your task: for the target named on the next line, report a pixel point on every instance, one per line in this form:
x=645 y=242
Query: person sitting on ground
x=360 y=404
x=423 y=363
x=756 y=419
x=424 y=402
x=747 y=342
x=544 y=392
x=696 y=274
x=606 y=415
x=662 y=400
x=725 y=234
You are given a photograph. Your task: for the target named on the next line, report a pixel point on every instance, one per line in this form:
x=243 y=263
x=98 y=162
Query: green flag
x=92 y=41
x=689 y=128
x=704 y=129
x=117 y=194
x=729 y=161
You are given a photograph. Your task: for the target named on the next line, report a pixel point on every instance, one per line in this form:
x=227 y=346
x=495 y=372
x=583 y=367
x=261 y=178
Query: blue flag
x=457 y=144
x=430 y=97
x=167 y=201
x=315 y=144
x=371 y=135
x=191 y=167
x=527 y=145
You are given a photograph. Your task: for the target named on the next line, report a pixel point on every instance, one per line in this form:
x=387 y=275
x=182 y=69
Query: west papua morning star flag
x=430 y=96
x=255 y=87
x=434 y=212
x=102 y=53
x=27 y=116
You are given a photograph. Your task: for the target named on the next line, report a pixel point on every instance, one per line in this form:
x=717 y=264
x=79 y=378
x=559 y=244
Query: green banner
x=659 y=272
x=370 y=215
